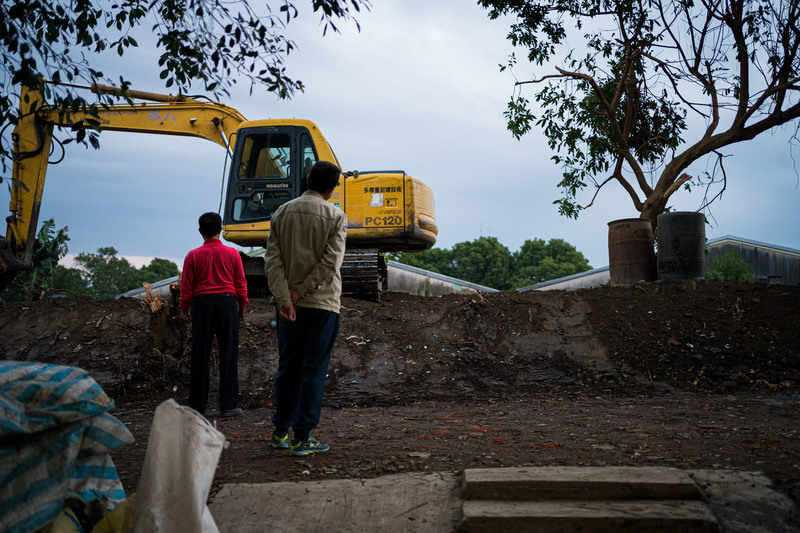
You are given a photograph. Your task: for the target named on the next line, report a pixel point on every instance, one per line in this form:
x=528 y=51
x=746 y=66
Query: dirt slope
x=694 y=373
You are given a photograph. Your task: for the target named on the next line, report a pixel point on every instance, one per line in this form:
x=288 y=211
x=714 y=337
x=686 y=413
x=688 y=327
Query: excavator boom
x=33 y=138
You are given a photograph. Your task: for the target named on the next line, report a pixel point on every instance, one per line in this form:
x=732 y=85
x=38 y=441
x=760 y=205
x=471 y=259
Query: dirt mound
x=594 y=376
x=688 y=335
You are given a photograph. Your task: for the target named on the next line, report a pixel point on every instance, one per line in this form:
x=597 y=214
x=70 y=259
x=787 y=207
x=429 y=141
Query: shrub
x=729 y=266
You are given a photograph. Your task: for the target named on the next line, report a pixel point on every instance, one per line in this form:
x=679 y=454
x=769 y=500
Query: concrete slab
x=741 y=502
x=595 y=516
x=607 y=483
x=399 y=503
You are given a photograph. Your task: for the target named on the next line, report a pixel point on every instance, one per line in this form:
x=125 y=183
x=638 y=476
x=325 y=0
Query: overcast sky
x=418 y=89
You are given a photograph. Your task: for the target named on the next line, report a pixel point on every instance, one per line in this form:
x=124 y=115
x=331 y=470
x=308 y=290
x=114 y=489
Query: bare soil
x=689 y=374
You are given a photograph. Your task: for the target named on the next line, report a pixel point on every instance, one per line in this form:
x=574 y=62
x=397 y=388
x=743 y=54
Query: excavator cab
x=270 y=167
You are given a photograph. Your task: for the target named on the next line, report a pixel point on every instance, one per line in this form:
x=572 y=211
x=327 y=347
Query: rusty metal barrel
x=681 y=245
x=631 y=258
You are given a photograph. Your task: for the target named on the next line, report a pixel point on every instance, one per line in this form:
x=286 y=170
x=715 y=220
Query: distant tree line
x=488 y=262
x=100 y=276
x=103 y=275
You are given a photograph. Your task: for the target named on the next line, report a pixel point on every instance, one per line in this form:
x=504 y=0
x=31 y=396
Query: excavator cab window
x=309 y=158
x=266 y=157
x=259 y=206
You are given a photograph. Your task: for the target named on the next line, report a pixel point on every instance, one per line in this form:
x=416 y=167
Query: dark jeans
x=305 y=350
x=214 y=314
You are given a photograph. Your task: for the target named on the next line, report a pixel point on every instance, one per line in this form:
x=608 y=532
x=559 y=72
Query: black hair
x=323 y=176
x=210 y=224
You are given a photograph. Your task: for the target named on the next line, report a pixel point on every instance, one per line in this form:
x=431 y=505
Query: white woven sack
x=179 y=466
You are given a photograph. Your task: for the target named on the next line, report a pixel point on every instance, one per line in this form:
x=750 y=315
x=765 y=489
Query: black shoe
x=236 y=411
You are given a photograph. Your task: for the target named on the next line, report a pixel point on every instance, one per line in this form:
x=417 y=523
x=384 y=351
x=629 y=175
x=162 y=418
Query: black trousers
x=305 y=347
x=214 y=315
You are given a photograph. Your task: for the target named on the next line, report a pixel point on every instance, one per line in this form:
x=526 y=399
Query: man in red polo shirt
x=213 y=287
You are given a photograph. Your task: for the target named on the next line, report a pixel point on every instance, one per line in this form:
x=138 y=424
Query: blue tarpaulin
x=55 y=439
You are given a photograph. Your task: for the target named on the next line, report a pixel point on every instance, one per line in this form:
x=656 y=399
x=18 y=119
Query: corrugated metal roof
x=141 y=290
x=731 y=238
x=562 y=280
x=442 y=277
x=394 y=264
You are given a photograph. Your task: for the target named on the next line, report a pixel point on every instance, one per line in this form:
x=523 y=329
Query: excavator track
x=364 y=275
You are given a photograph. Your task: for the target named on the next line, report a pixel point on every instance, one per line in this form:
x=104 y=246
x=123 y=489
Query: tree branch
x=708 y=202
x=596 y=192
x=678 y=183
x=637 y=203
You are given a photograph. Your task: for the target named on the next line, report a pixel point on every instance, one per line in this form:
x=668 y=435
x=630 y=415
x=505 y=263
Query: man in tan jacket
x=305 y=249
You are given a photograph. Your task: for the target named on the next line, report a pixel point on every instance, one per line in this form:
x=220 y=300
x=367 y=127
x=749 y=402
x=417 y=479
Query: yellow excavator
x=386 y=210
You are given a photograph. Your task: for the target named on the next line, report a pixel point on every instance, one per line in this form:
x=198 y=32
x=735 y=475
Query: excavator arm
x=33 y=136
